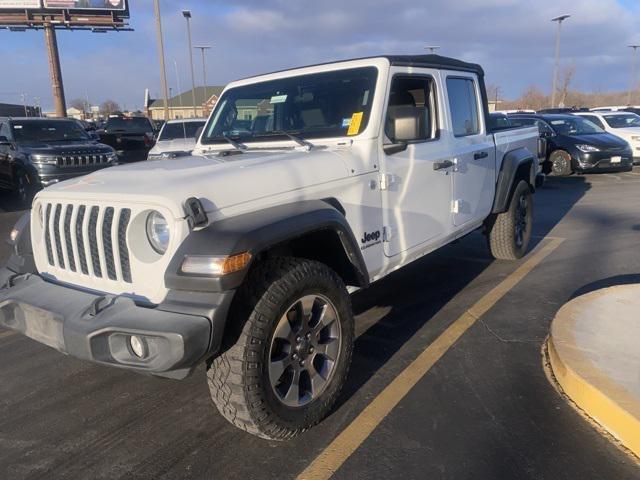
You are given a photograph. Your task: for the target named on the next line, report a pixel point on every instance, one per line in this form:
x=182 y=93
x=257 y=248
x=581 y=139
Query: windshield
x=574 y=126
x=173 y=131
x=47 y=131
x=134 y=124
x=622 y=121
x=320 y=105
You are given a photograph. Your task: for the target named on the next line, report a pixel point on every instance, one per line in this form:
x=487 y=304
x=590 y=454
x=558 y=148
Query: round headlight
x=158 y=232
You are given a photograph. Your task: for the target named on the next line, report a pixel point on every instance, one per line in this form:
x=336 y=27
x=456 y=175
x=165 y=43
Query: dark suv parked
x=132 y=137
x=37 y=152
x=575 y=144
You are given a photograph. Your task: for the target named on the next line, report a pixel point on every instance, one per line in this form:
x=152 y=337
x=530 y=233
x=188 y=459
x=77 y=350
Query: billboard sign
x=70 y=5
x=105 y=5
x=19 y=4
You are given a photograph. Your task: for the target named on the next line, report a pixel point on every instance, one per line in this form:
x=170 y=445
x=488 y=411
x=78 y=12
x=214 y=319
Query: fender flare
x=516 y=165
x=256 y=232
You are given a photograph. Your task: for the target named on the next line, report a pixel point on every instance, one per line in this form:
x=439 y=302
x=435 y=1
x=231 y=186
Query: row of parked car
x=580 y=141
x=38 y=152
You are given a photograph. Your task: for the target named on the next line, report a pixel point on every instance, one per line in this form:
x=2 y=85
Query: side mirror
x=407 y=123
x=4 y=140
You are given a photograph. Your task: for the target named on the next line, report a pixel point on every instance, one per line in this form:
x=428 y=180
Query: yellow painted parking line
x=345 y=444
x=7 y=333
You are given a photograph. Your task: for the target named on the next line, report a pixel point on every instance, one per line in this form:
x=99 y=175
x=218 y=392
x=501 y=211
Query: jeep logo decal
x=371 y=237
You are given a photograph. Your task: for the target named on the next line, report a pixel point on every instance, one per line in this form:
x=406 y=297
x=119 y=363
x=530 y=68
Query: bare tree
x=565 y=82
x=493 y=94
x=78 y=104
x=533 y=99
x=109 y=107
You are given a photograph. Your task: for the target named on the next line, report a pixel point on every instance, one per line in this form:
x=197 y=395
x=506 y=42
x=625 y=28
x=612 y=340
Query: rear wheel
x=560 y=163
x=509 y=233
x=292 y=353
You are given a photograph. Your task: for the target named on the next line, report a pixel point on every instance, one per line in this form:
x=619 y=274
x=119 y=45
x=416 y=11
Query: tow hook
x=100 y=304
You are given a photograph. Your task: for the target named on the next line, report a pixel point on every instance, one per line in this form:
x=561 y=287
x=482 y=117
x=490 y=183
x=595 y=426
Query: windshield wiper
x=237 y=145
x=296 y=138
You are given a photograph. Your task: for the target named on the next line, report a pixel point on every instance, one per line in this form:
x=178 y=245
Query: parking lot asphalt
x=484 y=410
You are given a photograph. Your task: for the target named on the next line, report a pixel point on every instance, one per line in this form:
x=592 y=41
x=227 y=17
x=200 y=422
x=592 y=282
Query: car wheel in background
x=560 y=163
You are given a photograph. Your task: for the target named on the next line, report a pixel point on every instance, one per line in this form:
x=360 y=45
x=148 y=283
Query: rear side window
x=463 y=105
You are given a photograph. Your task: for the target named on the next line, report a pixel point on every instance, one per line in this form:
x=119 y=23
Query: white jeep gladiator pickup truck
x=305 y=185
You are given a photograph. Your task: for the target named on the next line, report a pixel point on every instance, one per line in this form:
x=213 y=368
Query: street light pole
x=202 y=48
x=432 y=48
x=556 y=65
x=187 y=15
x=163 y=71
x=634 y=66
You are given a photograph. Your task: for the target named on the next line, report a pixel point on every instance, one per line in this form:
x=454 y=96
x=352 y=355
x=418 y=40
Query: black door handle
x=442 y=165
x=480 y=155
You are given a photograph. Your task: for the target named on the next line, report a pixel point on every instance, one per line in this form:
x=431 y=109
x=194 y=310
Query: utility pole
x=24 y=104
x=202 y=48
x=634 y=77
x=163 y=71
x=55 y=70
x=556 y=65
x=187 y=15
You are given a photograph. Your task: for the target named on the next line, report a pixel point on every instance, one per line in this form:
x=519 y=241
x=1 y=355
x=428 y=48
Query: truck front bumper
x=99 y=328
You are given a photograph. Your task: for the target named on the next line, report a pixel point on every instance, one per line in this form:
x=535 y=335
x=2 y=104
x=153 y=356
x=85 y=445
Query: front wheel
x=509 y=233
x=284 y=371
x=560 y=163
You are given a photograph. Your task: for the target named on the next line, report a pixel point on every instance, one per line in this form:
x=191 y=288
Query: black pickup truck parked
x=131 y=137
x=38 y=152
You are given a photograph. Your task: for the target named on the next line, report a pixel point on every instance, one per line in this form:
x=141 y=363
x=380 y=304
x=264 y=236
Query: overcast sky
x=512 y=39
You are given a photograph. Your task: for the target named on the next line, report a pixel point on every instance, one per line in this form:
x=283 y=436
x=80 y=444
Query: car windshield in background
x=47 y=131
x=321 y=105
x=623 y=121
x=135 y=124
x=574 y=126
x=173 y=131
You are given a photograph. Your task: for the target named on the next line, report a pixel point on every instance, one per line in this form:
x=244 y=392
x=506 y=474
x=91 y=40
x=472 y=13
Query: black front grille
x=125 y=216
x=56 y=233
x=82 y=160
x=80 y=240
x=93 y=241
x=108 y=246
x=67 y=236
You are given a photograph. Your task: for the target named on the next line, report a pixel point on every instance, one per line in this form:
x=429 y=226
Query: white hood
x=176 y=145
x=219 y=182
x=627 y=133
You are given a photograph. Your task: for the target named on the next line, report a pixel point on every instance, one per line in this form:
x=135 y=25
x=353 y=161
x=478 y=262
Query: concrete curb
x=577 y=359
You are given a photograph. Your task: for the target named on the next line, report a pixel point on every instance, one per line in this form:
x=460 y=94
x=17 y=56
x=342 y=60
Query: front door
x=472 y=149
x=416 y=183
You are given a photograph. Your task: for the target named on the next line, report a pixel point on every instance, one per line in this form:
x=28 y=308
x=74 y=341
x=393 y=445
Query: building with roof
x=181 y=106
x=11 y=110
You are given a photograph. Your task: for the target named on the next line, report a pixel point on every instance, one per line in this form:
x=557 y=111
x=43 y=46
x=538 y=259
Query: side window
x=463 y=105
x=4 y=130
x=544 y=128
x=411 y=114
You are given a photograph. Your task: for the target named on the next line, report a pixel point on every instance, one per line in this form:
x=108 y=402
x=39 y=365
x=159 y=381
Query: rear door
x=472 y=149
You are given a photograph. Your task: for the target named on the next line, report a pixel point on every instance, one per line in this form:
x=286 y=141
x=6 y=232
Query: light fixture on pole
x=202 y=49
x=187 y=15
x=634 y=72
x=432 y=48
x=556 y=65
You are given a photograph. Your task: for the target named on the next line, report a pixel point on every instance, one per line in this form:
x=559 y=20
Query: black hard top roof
x=424 y=61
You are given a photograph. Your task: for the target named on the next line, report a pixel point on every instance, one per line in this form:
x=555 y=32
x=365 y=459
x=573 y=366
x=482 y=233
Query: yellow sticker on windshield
x=354 y=126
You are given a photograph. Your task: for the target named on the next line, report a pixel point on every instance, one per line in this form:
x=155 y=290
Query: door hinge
x=387 y=181
x=455 y=206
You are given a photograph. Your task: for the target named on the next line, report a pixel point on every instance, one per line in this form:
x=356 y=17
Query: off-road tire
x=238 y=378
x=560 y=164
x=501 y=228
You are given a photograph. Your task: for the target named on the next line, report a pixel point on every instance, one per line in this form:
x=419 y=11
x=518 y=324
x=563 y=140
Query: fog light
x=137 y=346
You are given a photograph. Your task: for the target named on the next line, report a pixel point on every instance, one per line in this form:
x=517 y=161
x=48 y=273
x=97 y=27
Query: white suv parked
x=625 y=125
x=308 y=184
